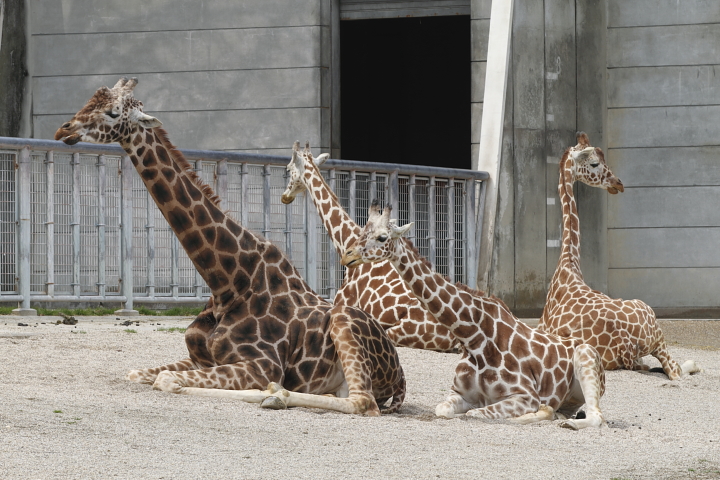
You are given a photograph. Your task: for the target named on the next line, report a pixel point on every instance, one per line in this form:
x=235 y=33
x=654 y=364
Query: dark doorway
x=405 y=90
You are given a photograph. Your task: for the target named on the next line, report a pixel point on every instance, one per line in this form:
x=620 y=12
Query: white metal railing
x=77 y=225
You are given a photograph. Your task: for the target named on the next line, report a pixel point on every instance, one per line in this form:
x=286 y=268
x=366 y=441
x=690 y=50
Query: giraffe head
x=296 y=170
x=377 y=240
x=588 y=166
x=111 y=115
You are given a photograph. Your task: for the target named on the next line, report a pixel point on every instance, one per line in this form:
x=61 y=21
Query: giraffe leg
x=356 y=363
x=590 y=381
x=522 y=408
x=236 y=376
x=671 y=368
x=454 y=406
x=149 y=375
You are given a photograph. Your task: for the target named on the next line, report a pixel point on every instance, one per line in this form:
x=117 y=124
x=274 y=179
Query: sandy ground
x=67 y=412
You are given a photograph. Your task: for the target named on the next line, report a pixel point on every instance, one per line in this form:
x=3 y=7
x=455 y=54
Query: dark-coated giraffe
x=265 y=336
x=622 y=331
x=375 y=288
x=507 y=370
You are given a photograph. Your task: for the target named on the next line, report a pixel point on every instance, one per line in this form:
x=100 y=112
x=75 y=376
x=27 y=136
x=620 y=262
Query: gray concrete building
x=403 y=81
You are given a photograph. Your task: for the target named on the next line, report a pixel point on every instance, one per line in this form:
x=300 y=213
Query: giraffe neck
x=444 y=300
x=342 y=229
x=570 y=251
x=225 y=254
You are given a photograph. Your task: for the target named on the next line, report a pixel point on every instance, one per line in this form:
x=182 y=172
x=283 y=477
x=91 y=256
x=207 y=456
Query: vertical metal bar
x=470 y=235
x=372 y=194
x=75 y=223
x=311 y=244
x=412 y=213
x=352 y=195
x=266 y=200
x=23 y=232
x=150 y=228
x=332 y=254
x=480 y=233
x=50 y=187
x=221 y=176
x=126 y=236
x=393 y=193
x=451 y=229
x=288 y=223
x=244 y=195
x=101 y=224
x=432 y=244
x=174 y=265
x=198 y=278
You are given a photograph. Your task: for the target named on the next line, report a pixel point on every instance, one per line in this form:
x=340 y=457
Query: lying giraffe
x=622 y=331
x=375 y=288
x=507 y=370
x=265 y=336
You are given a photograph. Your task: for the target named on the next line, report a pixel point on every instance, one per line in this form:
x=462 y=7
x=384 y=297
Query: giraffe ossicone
x=622 y=331
x=264 y=332
x=375 y=288
x=507 y=369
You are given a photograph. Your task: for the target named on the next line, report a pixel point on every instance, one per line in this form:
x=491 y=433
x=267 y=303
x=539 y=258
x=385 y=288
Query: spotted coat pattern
x=375 y=288
x=263 y=324
x=622 y=331
x=507 y=370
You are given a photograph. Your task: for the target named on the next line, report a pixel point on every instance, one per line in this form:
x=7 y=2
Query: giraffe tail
x=397 y=399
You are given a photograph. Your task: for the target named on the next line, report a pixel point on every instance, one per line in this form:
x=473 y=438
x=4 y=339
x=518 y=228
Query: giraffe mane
x=322 y=179
x=178 y=157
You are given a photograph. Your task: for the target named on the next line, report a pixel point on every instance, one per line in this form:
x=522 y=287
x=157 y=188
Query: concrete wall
x=13 y=72
x=222 y=75
x=555 y=88
x=663 y=131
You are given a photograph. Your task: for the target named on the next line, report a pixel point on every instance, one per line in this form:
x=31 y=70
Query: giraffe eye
x=382 y=238
x=594 y=165
x=112 y=114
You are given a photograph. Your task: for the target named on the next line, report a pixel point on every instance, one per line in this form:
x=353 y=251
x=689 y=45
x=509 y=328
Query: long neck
x=230 y=259
x=570 y=251
x=341 y=228
x=469 y=317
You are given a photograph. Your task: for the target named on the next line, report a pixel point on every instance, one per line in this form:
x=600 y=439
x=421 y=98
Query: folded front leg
x=149 y=375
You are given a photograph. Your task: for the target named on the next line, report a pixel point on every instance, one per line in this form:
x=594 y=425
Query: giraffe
x=507 y=369
x=622 y=331
x=375 y=288
x=265 y=337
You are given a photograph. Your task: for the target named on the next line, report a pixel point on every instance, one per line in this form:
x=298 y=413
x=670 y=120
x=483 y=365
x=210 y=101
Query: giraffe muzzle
x=65 y=134
x=351 y=260
x=616 y=187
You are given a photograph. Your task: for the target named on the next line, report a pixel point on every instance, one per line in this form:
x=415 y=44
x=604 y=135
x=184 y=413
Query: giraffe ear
x=583 y=154
x=147 y=121
x=397 y=232
x=322 y=159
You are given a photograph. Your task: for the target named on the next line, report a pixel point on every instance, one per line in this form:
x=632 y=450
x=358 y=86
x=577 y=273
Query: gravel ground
x=67 y=412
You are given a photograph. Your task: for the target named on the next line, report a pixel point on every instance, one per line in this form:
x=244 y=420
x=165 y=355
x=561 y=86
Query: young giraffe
x=622 y=331
x=375 y=288
x=264 y=334
x=507 y=370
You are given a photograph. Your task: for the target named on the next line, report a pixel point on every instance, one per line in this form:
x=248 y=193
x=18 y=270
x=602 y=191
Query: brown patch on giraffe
x=161 y=193
x=225 y=242
x=147 y=175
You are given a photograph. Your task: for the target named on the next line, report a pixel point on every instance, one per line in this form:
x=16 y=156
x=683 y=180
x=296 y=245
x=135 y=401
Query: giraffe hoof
x=273 y=403
x=569 y=424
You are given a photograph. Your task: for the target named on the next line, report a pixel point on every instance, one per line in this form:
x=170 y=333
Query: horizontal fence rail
x=78 y=225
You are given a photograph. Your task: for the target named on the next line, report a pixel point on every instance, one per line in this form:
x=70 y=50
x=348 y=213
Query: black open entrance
x=405 y=90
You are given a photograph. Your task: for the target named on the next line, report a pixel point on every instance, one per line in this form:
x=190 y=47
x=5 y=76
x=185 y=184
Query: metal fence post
x=288 y=223
x=198 y=278
x=432 y=241
x=311 y=243
x=451 y=229
x=352 y=200
x=150 y=228
x=332 y=254
x=412 y=214
x=471 y=234
x=393 y=193
x=23 y=233
x=126 y=234
x=75 y=224
x=101 y=225
x=50 y=242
